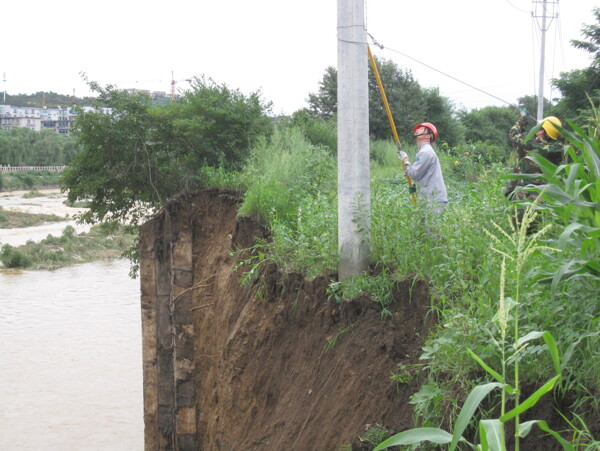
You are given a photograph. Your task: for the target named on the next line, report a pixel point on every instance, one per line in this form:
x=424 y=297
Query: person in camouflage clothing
x=547 y=142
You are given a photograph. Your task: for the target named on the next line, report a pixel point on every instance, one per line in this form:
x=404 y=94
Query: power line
x=440 y=72
x=517 y=8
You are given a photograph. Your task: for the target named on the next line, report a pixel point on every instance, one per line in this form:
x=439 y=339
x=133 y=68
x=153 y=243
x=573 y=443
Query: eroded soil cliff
x=277 y=364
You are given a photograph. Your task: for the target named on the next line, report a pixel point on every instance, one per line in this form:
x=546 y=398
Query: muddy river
x=70 y=355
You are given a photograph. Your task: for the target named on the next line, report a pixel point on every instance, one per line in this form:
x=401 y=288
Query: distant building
x=59 y=119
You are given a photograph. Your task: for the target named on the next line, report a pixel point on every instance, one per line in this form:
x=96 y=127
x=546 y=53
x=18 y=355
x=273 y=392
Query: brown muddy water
x=70 y=356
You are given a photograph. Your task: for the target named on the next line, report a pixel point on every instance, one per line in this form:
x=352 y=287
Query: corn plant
x=571 y=192
x=515 y=248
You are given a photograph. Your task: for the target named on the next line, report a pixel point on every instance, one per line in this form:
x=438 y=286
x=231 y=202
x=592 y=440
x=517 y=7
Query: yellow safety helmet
x=549 y=123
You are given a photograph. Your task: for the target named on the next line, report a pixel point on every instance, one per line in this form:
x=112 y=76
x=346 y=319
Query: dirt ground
x=280 y=365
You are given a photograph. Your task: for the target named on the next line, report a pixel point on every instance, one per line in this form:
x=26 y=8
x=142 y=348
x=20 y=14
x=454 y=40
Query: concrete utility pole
x=543 y=28
x=354 y=196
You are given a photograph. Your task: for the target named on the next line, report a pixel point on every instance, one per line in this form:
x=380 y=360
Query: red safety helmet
x=429 y=126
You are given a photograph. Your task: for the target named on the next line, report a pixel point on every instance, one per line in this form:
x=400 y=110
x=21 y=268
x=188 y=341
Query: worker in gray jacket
x=426 y=170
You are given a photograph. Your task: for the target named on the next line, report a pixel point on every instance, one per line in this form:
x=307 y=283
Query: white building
x=58 y=119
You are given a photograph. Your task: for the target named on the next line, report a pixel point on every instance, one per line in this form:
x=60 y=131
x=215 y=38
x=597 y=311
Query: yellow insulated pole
x=391 y=119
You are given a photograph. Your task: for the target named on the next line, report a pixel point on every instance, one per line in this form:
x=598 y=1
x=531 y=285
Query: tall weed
x=282 y=172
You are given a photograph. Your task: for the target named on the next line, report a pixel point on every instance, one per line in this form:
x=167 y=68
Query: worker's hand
x=402 y=155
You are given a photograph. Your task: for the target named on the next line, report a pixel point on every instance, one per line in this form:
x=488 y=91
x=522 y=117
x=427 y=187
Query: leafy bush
x=12 y=257
x=70 y=248
x=318 y=131
x=139 y=155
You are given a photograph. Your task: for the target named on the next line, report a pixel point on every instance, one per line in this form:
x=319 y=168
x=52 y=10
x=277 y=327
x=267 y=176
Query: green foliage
x=28 y=180
x=138 y=155
x=488 y=125
x=440 y=111
x=406 y=373
x=219 y=177
x=324 y=103
x=576 y=86
x=470 y=159
x=318 y=131
x=282 y=172
x=46 y=99
x=103 y=241
x=31 y=179
x=406 y=99
x=307 y=243
x=251 y=262
x=291 y=184
x=516 y=248
x=22 y=146
x=530 y=104
x=409 y=103
x=12 y=257
x=374 y=434
x=16 y=219
x=572 y=194
x=332 y=341
x=213 y=125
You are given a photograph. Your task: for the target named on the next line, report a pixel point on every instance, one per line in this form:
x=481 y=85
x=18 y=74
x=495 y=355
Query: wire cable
x=517 y=8
x=439 y=71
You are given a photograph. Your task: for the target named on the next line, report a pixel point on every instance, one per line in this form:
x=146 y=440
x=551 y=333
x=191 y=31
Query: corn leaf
x=531 y=401
x=415 y=436
x=525 y=428
x=468 y=409
x=492 y=435
x=550 y=343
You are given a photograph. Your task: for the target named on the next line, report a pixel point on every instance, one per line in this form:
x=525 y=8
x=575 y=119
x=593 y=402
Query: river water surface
x=70 y=359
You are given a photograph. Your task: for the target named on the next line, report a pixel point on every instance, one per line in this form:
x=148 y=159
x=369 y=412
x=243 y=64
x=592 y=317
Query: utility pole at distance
x=545 y=14
x=354 y=197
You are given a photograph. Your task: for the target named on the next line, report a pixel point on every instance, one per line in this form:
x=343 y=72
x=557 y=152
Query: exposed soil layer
x=280 y=365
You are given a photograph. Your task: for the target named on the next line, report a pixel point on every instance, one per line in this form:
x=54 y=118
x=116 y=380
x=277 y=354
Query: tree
x=408 y=102
x=530 y=104
x=440 y=111
x=489 y=124
x=139 y=154
x=215 y=125
x=405 y=98
x=324 y=104
x=577 y=85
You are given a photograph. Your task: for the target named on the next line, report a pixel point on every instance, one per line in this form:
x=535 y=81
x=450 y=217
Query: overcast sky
x=282 y=47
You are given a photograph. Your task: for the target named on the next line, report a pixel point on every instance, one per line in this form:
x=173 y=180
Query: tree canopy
x=22 y=146
x=136 y=154
x=489 y=124
x=580 y=86
x=408 y=101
